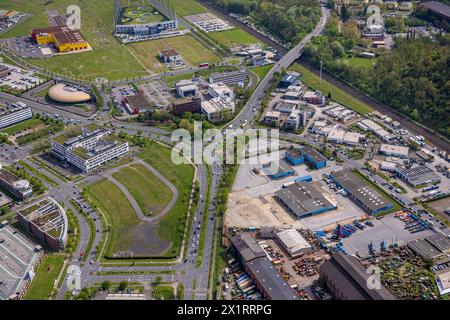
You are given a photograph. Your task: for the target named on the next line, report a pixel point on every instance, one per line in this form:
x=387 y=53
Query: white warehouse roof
x=293 y=242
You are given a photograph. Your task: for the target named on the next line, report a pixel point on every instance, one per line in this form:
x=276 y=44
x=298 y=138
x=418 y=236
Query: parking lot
x=388 y=228
x=157 y=93
x=208 y=22
x=19 y=79
x=27 y=48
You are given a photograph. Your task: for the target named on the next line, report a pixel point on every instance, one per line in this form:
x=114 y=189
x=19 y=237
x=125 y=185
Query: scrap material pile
x=308 y=266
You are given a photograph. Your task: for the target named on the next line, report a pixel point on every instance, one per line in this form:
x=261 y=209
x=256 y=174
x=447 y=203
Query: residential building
x=347 y=279
x=46 y=220
x=88 y=148
x=14 y=113
x=272 y=118
x=314 y=97
x=293 y=121
x=290 y=79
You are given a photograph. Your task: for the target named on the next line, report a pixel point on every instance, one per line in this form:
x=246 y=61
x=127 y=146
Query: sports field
x=109 y=58
x=150 y=193
x=140 y=14
x=232 y=38
x=338 y=95
x=191 y=50
x=46 y=274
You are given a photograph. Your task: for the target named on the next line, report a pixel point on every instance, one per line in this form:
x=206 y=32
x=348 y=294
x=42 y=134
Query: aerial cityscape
x=232 y=150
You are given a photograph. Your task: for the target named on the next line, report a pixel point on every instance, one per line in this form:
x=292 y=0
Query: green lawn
x=188 y=7
x=27 y=124
x=338 y=95
x=192 y=51
x=233 y=37
x=171 y=80
x=159 y=157
x=47 y=272
x=109 y=58
x=261 y=71
x=361 y=62
x=150 y=193
x=120 y=214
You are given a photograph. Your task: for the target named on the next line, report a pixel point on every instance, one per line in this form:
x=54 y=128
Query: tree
x=106 y=285
x=123 y=286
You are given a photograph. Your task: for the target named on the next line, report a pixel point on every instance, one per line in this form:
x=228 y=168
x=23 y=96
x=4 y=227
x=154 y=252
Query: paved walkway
x=108 y=174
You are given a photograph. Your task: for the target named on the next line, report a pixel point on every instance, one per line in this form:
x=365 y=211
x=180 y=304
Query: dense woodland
x=289 y=20
x=413 y=78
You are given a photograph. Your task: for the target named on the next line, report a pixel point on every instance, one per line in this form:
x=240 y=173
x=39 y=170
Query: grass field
x=360 y=62
x=119 y=212
x=233 y=37
x=261 y=71
x=27 y=124
x=163 y=292
x=192 y=51
x=150 y=193
x=171 y=80
x=47 y=272
x=109 y=58
x=188 y=7
x=172 y=225
x=337 y=94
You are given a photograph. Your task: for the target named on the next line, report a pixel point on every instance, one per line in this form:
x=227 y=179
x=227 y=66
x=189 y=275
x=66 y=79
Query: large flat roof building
x=303 y=199
x=62 y=37
x=293 y=242
x=347 y=279
x=419 y=175
x=267 y=279
x=360 y=192
x=14 y=113
x=18 y=260
x=89 y=147
x=431 y=247
x=47 y=220
x=393 y=150
x=306 y=154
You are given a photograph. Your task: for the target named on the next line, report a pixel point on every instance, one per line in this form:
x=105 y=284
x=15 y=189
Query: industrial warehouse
x=303 y=199
x=62 y=37
x=365 y=196
x=46 y=220
x=260 y=269
x=347 y=279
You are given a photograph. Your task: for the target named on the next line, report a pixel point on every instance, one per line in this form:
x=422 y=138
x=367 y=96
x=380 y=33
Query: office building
x=186 y=88
x=220 y=90
x=14 y=113
x=46 y=220
x=190 y=104
x=19 y=188
x=213 y=108
x=88 y=148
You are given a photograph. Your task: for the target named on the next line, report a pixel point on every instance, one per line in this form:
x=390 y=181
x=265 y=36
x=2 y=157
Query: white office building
x=14 y=113
x=214 y=107
x=88 y=149
x=220 y=90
